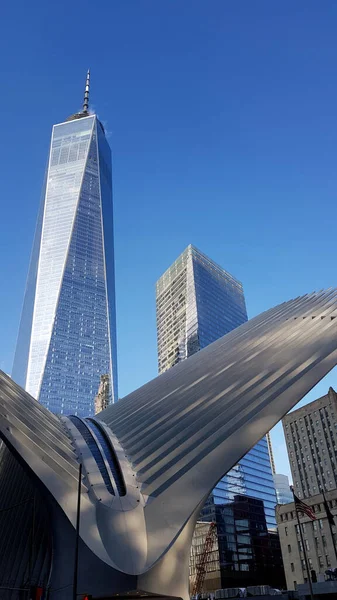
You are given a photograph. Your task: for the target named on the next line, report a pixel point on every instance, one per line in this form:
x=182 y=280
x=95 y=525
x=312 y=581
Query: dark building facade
x=249 y=554
x=26 y=547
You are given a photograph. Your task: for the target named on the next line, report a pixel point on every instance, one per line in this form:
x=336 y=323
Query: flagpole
x=329 y=521
x=77 y=537
x=304 y=550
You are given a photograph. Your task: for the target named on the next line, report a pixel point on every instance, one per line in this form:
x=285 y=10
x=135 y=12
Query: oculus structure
x=150 y=461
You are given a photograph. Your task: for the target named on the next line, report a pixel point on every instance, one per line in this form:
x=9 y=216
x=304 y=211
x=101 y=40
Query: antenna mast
x=86 y=93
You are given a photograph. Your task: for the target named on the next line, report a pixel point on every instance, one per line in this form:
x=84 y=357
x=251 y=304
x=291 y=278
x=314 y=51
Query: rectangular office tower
x=311 y=436
x=67 y=335
x=197 y=303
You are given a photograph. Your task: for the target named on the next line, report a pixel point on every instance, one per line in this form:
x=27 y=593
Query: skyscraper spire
x=86 y=93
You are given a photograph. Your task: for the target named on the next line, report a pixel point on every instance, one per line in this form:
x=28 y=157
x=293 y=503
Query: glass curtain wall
x=197 y=303
x=69 y=327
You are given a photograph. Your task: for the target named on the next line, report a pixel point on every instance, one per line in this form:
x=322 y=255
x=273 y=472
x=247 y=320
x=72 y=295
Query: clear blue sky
x=222 y=118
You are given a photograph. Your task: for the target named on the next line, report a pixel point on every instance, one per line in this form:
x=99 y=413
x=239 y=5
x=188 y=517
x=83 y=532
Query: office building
x=281 y=482
x=271 y=454
x=284 y=494
x=246 y=553
x=198 y=302
x=319 y=543
x=67 y=335
x=311 y=438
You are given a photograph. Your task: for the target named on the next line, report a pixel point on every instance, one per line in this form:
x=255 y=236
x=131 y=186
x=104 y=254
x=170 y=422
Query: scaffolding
x=203 y=558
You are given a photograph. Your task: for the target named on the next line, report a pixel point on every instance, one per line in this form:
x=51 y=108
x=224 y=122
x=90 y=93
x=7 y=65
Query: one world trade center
x=67 y=335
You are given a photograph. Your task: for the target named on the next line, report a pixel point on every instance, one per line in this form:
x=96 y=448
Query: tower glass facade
x=284 y=494
x=67 y=336
x=246 y=553
x=197 y=303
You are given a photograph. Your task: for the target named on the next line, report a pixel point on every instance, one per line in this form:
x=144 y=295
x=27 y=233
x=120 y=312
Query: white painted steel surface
x=177 y=435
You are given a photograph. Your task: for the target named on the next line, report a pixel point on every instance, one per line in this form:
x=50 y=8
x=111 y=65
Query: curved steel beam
x=176 y=436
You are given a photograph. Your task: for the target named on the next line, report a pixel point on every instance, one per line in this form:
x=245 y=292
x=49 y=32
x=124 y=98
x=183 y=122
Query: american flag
x=304 y=508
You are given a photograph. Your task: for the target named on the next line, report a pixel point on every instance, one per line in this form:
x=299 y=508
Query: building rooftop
x=308 y=407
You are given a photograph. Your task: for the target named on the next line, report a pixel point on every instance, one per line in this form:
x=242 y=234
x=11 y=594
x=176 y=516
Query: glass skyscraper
x=198 y=302
x=67 y=335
